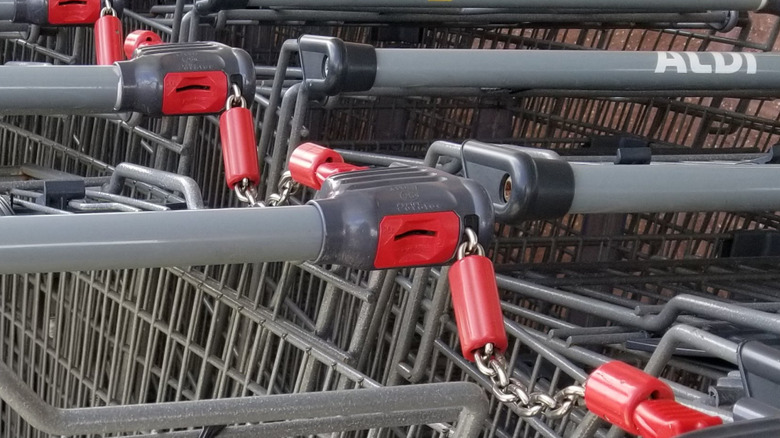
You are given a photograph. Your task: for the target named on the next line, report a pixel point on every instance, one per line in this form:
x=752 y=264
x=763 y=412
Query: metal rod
x=171 y=181
x=671 y=187
x=577 y=70
x=715 y=19
x=150 y=239
x=534 y=5
x=7 y=9
x=54 y=89
x=463 y=401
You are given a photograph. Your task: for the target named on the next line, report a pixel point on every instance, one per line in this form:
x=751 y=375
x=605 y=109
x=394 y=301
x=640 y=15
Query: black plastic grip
x=521 y=185
x=353 y=204
x=143 y=76
x=331 y=66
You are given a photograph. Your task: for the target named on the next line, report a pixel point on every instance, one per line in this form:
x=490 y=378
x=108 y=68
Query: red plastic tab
x=327 y=170
x=476 y=304
x=108 y=40
x=239 y=148
x=417 y=239
x=194 y=92
x=614 y=390
x=67 y=12
x=668 y=419
x=140 y=38
x=306 y=159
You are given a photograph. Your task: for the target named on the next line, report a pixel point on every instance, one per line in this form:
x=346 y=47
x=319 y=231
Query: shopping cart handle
x=331 y=66
x=399 y=217
x=191 y=78
x=61 y=12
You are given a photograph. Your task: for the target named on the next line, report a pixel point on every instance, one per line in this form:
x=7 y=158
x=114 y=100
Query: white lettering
x=699 y=63
x=752 y=65
x=670 y=59
x=722 y=67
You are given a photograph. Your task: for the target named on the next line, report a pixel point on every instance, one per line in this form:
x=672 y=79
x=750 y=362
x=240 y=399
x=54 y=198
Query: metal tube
x=671 y=187
x=718 y=19
x=535 y=5
x=171 y=181
x=577 y=70
x=54 y=89
x=149 y=239
x=687 y=335
x=7 y=9
x=446 y=401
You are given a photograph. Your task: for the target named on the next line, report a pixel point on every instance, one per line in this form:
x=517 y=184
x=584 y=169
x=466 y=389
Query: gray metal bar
x=54 y=89
x=7 y=10
x=690 y=304
x=148 y=239
x=687 y=335
x=171 y=181
x=716 y=19
x=446 y=401
x=671 y=187
x=578 y=70
x=534 y=5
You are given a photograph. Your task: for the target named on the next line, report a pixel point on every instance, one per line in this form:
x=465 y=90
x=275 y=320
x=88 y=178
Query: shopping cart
x=146 y=336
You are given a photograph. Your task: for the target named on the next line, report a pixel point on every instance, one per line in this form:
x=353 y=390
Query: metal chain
x=108 y=9
x=287 y=187
x=246 y=192
x=507 y=389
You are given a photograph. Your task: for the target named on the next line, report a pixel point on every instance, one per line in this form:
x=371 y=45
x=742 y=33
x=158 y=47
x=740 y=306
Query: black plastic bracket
x=522 y=183
x=354 y=206
x=57 y=193
x=331 y=66
x=143 y=76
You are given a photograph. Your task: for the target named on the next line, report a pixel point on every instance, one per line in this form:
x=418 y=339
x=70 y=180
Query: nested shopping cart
x=577 y=290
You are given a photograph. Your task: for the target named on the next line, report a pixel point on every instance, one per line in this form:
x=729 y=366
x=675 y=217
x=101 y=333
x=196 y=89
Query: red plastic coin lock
x=640 y=403
x=138 y=39
x=614 y=390
x=108 y=40
x=668 y=419
x=417 y=239
x=311 y=164
x=477 y=306
x=239 y=148
x=195 y=92
x=70 y=12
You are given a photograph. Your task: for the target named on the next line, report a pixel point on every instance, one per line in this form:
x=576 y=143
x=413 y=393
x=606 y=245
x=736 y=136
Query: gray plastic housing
x=37 y=11
x=353 y=204
x=542 y=186
x=331 y=66
x=143 y=76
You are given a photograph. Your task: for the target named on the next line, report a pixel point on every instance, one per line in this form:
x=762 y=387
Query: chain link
x=507 y=389
x=246 y=192
x=287 y=187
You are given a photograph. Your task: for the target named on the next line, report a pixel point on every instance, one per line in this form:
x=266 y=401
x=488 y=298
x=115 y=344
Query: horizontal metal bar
x=465 y=402
x=670 y=72
x=672 y=187
x=533 y=5
x=55 y=89
x=154 y=239
x=7 y=9
x=320 y=14
x=684 y=303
